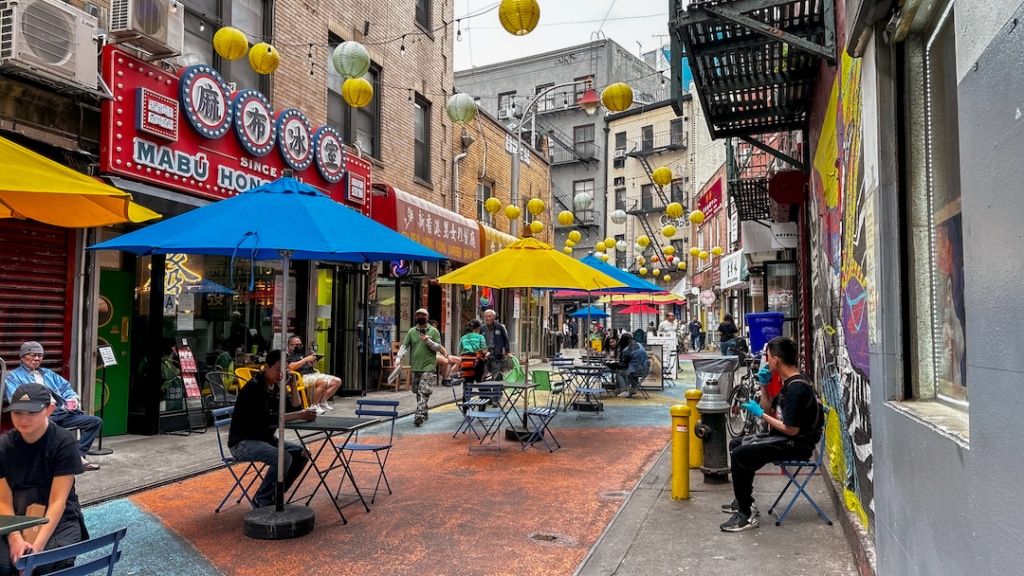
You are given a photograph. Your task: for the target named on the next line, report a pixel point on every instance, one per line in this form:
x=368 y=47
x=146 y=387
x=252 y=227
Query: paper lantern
x=674 y=210
x=583 y=201
x=662 y=176
x=667 y=278
x=670 y=259
x=575 y=235
x=461 y=108
x=570 y=243
x=641 y=260
x=669 y=250
x=643 y=271
x=609 y=243
x=696 y=216
x=599 y=246
x=604 y=257
x=681 y=265
x=620 y=245
x=694 y=251
x=537 y=226
x=566 y=218
x=668 y=231
x=567 y=250
x=643 y=241
x=357 y=92
x=512 y=212
x=264 y=59
x=617 y=97
x=535 y=206
x=492 y=205
x=703 y=255
x=351 y=60
x=638 y=248
x=230 y=43
x=519 y=17
x=657 y=272
x=717 y=250
x=654 y=258
x=618 y=216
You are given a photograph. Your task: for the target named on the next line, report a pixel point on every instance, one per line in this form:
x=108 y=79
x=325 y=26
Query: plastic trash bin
x=763 y=327
x=721 y=368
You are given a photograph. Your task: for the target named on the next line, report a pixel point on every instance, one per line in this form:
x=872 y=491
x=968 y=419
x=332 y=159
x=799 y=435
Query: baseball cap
x=31 y=347
x=30 y=398
x=422 y=311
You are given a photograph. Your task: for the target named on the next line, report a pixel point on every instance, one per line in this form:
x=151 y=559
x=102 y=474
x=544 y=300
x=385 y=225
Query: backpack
x=811 y=435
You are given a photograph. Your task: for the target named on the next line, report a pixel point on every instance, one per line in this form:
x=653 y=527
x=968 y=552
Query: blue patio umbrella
x=205 y=286
x=283 y=220
x=634 y=284
x=591 y=311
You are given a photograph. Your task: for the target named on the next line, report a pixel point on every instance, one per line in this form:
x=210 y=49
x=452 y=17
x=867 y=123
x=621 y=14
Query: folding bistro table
x=10 y=524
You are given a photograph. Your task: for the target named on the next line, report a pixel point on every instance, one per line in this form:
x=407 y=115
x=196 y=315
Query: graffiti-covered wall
x=840 y=289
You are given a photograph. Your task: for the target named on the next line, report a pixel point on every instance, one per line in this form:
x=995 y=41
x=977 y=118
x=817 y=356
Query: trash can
x=721 y=368
x=763 y=327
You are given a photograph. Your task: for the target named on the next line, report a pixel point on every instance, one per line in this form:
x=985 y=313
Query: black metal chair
x=222 y=419
x=388 y=410
x=219 y=396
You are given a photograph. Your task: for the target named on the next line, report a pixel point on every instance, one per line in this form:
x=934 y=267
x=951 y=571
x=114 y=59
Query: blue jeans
x=88 y=426
x=259 y=451
x=727 y=347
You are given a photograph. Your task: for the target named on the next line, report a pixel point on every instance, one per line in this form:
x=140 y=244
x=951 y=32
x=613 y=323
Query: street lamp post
x=589 y=102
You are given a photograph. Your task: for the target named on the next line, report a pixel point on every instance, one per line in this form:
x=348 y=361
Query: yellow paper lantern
x=667 y=278
x=703 y=255
x=641 y=260
x=599 y=246
x=643 y=241
x=609 y=243
x=230 y=43
x=681 y=265
x=567 y=250
x=357 y=92
x=696 y=216
x=662 y=176
x=512 y=212
x=575 y=235
x=669 y=250
x=617 y=97
x=668 y=231
x=537 y=226
x=264 y=58
x=657 y=272
x=694 y=251
x=643 y=271
x=674 y=210
x=566 y=218
x=519 y=17
x=492 y=205
x=535 y=206
x=570 y=243
x=717 y=250
x=604 y=257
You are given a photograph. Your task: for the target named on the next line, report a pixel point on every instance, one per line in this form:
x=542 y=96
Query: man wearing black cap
x=423 y=342
x=38 y=464
x=67 y=413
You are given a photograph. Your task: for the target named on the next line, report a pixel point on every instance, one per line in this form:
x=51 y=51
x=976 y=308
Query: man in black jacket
x=497 y=344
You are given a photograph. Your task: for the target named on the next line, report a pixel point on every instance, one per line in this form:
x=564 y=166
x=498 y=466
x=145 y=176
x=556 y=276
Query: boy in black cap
x=38 y=464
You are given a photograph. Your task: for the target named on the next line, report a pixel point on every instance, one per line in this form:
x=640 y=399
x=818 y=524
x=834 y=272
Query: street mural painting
x=841 y=289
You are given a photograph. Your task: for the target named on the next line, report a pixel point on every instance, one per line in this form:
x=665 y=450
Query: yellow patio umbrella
x=528 y=263
x=37 y=188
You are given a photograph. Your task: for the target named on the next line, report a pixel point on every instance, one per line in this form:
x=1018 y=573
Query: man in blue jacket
x=68 y=413
x=497 y=344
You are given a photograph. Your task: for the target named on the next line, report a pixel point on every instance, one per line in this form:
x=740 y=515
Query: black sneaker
x=740 y=522
x=734 y=507
x=418 y=421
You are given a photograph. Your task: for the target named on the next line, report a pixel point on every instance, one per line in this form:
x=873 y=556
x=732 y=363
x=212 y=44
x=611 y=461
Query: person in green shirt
x=473 y=347
x=423 y=343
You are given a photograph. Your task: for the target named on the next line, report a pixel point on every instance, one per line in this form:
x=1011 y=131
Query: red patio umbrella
x=638 y=309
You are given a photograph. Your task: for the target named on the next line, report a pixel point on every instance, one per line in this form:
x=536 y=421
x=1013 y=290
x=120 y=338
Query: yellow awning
x=493 y=240
x=37 y=188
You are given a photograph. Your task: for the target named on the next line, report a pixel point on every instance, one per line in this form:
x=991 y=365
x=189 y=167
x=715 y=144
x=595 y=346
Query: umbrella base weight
x=588 y=406
x=267 y=523
x=517 y=434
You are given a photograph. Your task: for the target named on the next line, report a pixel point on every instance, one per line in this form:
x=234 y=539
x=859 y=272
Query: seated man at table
x=68 y=413
x=321 y=386
x=251 y=436
x=38 y=464
x=634 y=364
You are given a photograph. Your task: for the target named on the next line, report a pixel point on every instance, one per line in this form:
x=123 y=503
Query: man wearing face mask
x=423 y=342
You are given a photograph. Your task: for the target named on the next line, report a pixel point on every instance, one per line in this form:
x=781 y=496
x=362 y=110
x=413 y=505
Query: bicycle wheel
x=736 y=418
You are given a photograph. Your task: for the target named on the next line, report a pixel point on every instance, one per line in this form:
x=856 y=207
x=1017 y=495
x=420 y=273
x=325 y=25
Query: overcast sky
x=562 y=23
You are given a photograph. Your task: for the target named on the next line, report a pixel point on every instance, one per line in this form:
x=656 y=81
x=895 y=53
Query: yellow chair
x=244 y=375
x=302 y=388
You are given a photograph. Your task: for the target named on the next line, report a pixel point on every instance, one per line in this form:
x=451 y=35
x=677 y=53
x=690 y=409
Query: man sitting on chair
x=68 y=413
x=322 y=386
x=473 y=348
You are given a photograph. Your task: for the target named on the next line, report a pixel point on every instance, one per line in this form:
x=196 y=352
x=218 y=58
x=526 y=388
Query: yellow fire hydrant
x=680 y=452
x=696 y=445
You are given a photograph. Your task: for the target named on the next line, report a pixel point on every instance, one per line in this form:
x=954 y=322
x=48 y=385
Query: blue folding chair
x=388 y=410
x=222 y=419
x=797 y=466
x=538 y=418
x=489 y=419
x=30 y=562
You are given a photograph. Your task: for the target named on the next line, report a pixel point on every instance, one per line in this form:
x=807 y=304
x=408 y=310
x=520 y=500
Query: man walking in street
x=696 y=328
x=423 y=341
x=574 y=333
x=68 y=413
x=497 y=344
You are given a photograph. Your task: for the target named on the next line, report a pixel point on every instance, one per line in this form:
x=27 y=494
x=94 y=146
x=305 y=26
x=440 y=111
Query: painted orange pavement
x=517 y=513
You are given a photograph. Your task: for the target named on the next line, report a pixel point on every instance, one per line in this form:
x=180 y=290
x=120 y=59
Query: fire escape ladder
x=646 y=163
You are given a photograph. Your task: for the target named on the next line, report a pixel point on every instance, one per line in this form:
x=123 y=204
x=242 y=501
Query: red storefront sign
x=710 y=202
x=451 y=234
x=172 y=130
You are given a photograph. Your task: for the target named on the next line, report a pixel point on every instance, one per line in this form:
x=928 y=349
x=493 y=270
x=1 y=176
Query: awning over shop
x=492 y=240
x=665 y=298
x=682 y=288
x=34 y=187
x=455 y=236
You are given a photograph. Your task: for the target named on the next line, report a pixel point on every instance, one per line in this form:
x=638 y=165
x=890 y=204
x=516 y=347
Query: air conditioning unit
x=504 y=114
x=620 y=153
x=48 y=39
x=156 y=26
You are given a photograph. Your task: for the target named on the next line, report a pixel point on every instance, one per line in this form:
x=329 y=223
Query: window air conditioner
x=620 y=153
x=504 y=114
x=50 y=40
x=156 y=26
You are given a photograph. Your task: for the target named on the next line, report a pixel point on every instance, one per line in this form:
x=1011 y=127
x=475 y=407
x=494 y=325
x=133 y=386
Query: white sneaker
x=316 y=408
x=326 y=407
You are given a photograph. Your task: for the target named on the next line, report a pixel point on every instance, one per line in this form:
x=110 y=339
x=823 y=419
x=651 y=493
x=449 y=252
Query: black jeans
x=750 y=453
x=67 y=533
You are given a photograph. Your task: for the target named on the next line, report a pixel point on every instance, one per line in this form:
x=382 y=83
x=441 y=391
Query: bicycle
x=739 y=421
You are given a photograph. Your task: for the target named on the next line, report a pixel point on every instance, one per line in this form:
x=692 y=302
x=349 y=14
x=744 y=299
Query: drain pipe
x=455 y=178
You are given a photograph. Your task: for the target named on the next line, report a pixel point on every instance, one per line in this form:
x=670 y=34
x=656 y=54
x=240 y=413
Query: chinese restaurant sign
x=447 y=232
x=710 y=202
x=172 y=130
